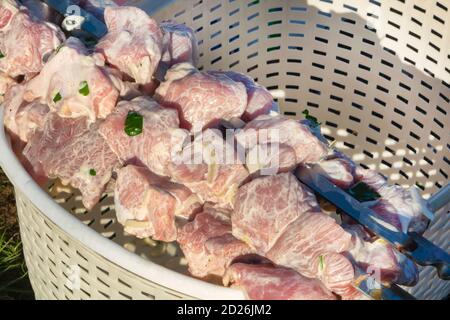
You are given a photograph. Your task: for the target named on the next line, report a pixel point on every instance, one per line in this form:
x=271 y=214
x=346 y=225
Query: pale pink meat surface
x=133 y=44
x=209 y=246
x=62 y=78
x=21 y=118
x=24 y=43
x=180 y=44
x=259 y=99
x=310 y=235
x=339 y=171
x=159 y=140
x=201 y=98
x=8 y=9
x=5 y=83
x=376 y=255
x=153 y=202
x=266 y=206
x=284 y=131
x=401 y=208
x=336 y=272
x=268 y=282
x=211 y=168
x=270 y=158
x=74 y=152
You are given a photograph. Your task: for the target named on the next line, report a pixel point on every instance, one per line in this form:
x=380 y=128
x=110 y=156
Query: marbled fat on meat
x=202 y=98
x=159 y=140
x=180 y=44
x=147 y=204
x=74 y=152
x=211 y=168
x=25 y=43
x=208 y=244
x=265 y=207
x=268 y=282
x=283 y=131
x=21 y=118
x=62 y=78
x=133 y=44
x=259 y=99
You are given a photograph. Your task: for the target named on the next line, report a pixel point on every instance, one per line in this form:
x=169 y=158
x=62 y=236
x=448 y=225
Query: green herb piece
x=1 y=55
x=321 y=263
x=363 y=192
x=57 y=97
x=92 y=172
x=310 y=118
x=84 y=88
x=134 y=124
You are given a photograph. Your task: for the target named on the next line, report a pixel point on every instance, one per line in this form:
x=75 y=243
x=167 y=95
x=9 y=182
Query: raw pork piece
x=376 y=255
x=8 y=9
x=402 y=209
x=259 y=99
x=5 y=83
x=180 y=44
x=74 y=152
x=307 y=238
x=133 y=44
x=202 y=98
x=147 y=204
x=269 y=282
x=25 y=44
x=284 y=132
x=72 y=85
x=21 y=118
x=211 y=168
x=208 y=244
x=266 y=206
x=311 y=246
x=269 y=159
x=160 y=139
x=340 y=171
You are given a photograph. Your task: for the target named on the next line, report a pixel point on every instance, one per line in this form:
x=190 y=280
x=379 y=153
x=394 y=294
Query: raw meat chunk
x=402 y=209
x=309 y=236
x=336 y=272
x=8 y=9
x=374 y=254
x=268 y=282
x=154 y=147
x=259 y=99
x=25 y=44
x=209 y=246
x=211 y=168
x=180 y=44
x=147 y=204
x=72 y=85
x=202 y=98
x=265 y=207
x=21 y=118
x=339 y=171
x=283 y=131
x=269 y=159
x=74 y=152
x=133 y=43
x=5 y=83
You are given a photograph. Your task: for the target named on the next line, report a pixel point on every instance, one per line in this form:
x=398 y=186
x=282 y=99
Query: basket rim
x=106 y=248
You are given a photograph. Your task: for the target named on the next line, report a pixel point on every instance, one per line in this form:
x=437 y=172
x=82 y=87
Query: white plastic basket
x=376 y=73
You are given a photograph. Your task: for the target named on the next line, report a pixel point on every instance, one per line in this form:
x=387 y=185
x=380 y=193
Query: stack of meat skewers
x=232 y=202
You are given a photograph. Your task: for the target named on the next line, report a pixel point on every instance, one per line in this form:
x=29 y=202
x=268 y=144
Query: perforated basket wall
x=376 y=73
